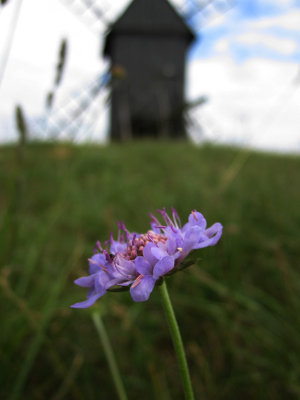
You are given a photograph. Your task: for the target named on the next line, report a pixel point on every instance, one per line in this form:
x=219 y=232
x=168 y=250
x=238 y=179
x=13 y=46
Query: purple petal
x=118 y=247
x=172 y=245
x=163 y=267
x=154 y=225
x=101 y=281
x=87 y=303
x=215 y=229
x=86 y=281
x=121 y=281
x=213 y=235
x=125 y=267
x=158 y=253
x=143 y=266
x=148 y=253
x=195 y=218
x=95 y=261
x=192 y=237
x=143 y=289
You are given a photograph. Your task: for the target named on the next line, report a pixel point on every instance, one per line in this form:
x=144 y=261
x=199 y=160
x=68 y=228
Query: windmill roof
x=149 y=17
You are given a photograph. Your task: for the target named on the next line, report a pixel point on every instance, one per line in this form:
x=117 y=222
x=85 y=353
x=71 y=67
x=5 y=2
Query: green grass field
x=238 y=309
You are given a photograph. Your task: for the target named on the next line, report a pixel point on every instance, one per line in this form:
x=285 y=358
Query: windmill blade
x=89 y=13
x=92 y=7
x=192 y=8
x=70 y=116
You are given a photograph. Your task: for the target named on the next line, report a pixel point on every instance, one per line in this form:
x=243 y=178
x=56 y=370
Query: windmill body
x=146 y=47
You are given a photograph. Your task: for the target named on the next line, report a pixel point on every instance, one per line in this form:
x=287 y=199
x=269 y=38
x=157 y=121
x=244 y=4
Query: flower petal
x=148 y=253
x=213 y=235
x=86 y=281
x=117 y=281
x=124 y=267
x=143 y=289
x=101 y=280
x=192 y=237
x=163 y=267
x=143 y=266
x=118 y=247
x=195 y=218
x=95 y=262
x=216 y=229
x=158 y=253
x=87 y=303
x=172 y=245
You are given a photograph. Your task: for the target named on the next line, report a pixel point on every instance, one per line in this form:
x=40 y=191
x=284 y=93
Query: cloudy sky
x=246 y=63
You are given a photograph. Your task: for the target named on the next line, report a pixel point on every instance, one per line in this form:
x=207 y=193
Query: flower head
x=138 y=261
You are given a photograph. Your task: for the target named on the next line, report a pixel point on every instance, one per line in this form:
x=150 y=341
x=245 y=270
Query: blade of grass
x=44 y=323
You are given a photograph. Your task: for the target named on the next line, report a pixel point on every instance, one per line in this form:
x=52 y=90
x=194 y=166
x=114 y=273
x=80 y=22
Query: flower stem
x=109 y=354
x=177 y=342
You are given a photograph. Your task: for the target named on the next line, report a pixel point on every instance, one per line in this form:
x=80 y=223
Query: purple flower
x=150 y=270
x=138 y=261
x=182 y=240
x=96 y=281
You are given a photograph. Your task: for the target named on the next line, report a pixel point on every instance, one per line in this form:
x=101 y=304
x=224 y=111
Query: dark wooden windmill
x=146 y=47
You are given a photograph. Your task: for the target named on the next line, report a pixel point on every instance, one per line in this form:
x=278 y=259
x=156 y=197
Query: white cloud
x=255 y=104
x=283 y=46
x=222 y=45
x=289 y=20
x=216 y=19
x=280 y=2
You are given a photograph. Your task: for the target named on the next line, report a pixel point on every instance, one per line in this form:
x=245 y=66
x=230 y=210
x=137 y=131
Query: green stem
x=109 y=354
x=177 y=342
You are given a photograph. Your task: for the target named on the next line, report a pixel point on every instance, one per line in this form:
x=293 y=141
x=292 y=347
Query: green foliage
x=21 y=125
x=238 y=308
x=62 y=58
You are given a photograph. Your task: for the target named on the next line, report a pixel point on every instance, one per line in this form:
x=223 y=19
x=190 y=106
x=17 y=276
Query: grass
x=238 y=309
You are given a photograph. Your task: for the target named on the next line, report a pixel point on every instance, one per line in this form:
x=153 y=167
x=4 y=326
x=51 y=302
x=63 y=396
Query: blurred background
x=109 y=111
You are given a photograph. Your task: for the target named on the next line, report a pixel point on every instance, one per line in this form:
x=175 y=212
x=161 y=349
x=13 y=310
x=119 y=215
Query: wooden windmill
x=146 y=47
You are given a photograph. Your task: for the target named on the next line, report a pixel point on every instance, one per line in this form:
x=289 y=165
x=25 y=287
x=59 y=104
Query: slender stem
x=109 y=354
x=177 y=342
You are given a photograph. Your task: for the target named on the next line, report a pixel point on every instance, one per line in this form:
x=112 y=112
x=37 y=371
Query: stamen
x=137 y=281
x=176 y=218
x=180 y=249
x=194 y=215
x=123 y=227
x=160 y=226
x=154 y=219
x=149 y=237
x=165 y=216
x=133 y=239
x=173 y=229
x=100 y=265
x=98 y=244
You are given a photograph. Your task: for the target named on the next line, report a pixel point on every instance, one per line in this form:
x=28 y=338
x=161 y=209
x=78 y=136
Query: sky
x=245 y=61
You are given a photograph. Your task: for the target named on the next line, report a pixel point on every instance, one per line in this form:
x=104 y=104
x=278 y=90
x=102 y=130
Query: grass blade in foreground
x=109 y=354
x=177 y=342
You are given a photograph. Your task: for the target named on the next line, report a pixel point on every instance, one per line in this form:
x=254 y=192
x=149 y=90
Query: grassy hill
x=238 y=309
